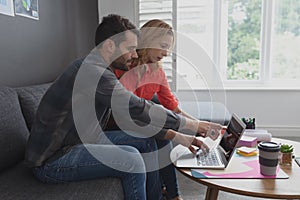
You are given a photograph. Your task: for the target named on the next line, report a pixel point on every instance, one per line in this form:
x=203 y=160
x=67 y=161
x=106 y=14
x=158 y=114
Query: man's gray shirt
x=77 y=107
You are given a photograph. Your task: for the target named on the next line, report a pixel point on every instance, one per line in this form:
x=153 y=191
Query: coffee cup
x=268 y=158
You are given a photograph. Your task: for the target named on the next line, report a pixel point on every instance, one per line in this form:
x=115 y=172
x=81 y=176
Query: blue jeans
x=144 y=145
x=167 y=169
x=80 y=164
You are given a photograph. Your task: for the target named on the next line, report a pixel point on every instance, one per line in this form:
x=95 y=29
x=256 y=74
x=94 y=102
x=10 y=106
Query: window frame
x=220 y=54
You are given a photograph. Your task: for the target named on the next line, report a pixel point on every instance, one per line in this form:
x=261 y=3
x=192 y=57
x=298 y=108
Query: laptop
x=220 y=154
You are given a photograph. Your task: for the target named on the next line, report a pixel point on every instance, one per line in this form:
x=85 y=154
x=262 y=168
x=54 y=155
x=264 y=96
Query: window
x=285 y=43
x=253 y=43
x=243 y=53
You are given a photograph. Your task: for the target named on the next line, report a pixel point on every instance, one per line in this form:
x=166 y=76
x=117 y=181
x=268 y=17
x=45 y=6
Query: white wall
x=278 y=111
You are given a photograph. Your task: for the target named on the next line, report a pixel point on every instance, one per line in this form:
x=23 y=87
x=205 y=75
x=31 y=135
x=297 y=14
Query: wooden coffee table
x=264 y=188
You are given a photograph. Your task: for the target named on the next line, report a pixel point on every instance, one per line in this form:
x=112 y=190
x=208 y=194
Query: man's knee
x=134 y=159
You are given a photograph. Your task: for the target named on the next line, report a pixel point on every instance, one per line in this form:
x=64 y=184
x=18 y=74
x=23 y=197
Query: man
x=55 y=151
x=69 y=140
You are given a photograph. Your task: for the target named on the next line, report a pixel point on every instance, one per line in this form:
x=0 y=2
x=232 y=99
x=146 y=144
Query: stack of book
x=248 y=141
x=261 y=135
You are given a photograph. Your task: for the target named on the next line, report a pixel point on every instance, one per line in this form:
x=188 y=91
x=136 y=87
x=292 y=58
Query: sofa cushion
x=30 y=97
x=19 y=183
x=13 y=129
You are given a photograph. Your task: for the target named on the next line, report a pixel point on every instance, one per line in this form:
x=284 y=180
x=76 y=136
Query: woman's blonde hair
x=151 y=31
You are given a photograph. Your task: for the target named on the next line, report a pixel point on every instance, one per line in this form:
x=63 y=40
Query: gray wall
x=37 y=51
x=126 y=8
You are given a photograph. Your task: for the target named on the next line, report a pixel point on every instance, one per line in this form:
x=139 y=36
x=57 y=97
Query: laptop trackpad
x=187 y=159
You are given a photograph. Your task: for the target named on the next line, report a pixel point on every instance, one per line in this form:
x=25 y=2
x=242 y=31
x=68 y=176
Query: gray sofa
x=17 y=109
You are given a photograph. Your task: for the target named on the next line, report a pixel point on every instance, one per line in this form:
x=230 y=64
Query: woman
x=146 y=78
x=156 y=40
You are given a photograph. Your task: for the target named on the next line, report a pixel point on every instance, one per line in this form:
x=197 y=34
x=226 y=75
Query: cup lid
x=269 y=146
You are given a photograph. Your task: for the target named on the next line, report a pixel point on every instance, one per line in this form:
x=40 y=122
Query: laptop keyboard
x=208 y=159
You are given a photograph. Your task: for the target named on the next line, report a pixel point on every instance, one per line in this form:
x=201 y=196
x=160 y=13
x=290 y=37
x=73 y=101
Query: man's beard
x=121 y=64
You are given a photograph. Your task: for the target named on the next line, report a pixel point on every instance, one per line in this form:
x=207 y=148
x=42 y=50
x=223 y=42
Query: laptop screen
x=232 y=136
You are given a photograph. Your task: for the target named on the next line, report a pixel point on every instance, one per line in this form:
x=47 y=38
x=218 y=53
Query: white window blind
x=159 y=9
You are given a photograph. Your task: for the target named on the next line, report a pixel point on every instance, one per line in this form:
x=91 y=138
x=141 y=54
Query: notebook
x=219 y=155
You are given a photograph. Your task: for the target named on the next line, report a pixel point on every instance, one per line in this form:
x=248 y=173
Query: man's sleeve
x=127 y=108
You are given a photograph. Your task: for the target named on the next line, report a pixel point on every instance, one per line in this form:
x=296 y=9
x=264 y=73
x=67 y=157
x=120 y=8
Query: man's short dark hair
x=113 y=25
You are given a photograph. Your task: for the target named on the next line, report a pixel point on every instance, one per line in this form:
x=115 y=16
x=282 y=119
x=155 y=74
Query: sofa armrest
x=208 y=111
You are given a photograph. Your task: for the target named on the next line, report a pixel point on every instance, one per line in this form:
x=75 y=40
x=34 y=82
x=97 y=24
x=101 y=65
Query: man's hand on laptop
x=203 y=128
x=201 y=146
x=191 y=142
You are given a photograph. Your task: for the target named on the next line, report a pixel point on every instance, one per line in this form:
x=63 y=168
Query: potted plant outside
x=286 y=154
